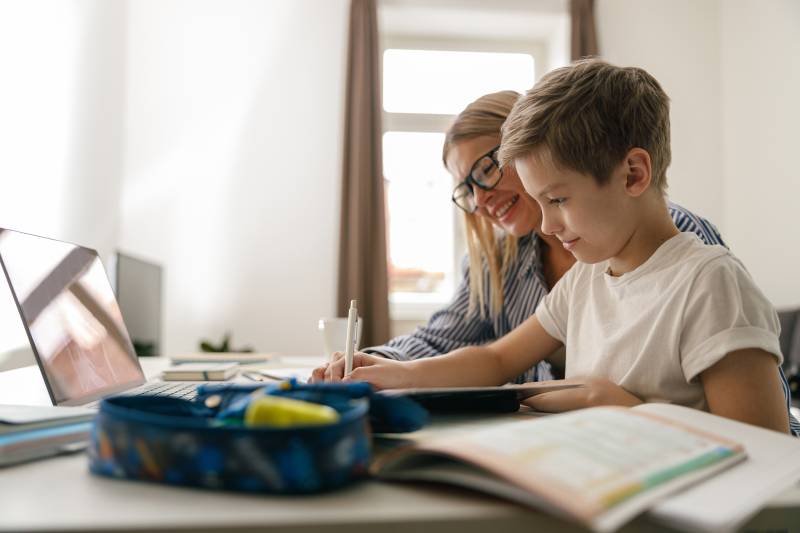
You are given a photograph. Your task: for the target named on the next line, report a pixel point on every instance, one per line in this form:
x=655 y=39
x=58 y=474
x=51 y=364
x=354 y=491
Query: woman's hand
x=595 y=392
x=382 y=373
x=318 y=375
x=332 y=371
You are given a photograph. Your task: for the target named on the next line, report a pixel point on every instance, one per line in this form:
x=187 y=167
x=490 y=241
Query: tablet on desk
x=502 y=399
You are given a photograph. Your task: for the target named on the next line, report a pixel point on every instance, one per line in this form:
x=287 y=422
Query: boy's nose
x=550 y=223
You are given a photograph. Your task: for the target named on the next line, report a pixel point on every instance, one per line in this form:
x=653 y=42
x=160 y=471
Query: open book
x=600 y=466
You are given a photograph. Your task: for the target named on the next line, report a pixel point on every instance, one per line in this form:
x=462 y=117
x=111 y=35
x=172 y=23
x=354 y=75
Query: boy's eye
x=557 y=201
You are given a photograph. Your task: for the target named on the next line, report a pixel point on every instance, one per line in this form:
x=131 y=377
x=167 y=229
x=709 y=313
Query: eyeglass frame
x=469 y=181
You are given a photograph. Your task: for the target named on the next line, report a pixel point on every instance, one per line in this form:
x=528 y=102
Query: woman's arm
x=491 y=364
x=449 y=328
x=744 y=386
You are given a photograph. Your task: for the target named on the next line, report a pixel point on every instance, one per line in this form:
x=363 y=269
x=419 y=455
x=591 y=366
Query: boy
x=647 y=313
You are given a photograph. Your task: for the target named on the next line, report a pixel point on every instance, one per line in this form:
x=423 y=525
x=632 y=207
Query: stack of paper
x=224 y=357
x=31 y=432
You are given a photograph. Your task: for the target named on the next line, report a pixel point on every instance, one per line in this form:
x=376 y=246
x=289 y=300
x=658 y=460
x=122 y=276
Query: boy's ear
x=638 y=171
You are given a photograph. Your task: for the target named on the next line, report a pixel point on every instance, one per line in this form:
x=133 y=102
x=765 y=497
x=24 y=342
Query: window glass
x=444 y=82
x=420 y=217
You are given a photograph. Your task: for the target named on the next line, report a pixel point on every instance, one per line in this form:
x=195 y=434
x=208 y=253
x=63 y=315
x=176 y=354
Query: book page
x=598 y=465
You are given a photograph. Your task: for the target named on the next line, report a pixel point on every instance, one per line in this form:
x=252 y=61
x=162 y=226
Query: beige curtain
x=584 y=34
x=362 y=247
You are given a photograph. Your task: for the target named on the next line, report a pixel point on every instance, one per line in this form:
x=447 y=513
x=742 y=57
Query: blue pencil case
x=199 y=442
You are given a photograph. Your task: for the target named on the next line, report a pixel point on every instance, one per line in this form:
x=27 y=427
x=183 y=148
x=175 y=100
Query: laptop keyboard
x=187 y=391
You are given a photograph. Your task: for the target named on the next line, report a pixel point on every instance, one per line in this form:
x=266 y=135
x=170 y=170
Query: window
x=423 y=90
x=416 y=182
x=444 y=82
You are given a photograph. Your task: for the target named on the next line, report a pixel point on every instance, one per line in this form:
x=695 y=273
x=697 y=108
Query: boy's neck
x=654 y=228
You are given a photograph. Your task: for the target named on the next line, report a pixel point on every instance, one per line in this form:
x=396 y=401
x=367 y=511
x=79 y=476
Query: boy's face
x=588 y=219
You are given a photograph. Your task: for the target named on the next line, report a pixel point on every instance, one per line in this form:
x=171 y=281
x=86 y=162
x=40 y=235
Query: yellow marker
x=276 y=411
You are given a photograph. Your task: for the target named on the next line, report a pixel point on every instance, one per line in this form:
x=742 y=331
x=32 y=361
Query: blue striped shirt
x=524 y=287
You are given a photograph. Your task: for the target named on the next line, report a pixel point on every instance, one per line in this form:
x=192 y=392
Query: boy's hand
x=382 y=373
x=595 y=392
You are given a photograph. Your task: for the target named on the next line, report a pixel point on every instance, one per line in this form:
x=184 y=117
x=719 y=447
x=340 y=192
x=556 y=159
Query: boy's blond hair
x=587 y=116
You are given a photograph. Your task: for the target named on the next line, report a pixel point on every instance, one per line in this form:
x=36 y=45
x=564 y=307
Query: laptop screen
x=71 y=316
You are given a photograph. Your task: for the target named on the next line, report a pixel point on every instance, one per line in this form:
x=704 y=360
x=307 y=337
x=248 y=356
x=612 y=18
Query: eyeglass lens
x=485 y=174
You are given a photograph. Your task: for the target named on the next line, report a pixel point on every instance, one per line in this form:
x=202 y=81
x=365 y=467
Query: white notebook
x=200 y=372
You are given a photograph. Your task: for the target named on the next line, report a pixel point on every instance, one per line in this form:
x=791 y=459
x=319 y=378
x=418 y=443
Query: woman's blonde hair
x=484 y=117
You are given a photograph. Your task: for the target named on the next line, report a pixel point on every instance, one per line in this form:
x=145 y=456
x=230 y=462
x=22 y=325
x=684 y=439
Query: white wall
x=61 y=93
x=732 y=70
x=761 y=117
x=62 y=77
x=233 y=164
x=677 y=41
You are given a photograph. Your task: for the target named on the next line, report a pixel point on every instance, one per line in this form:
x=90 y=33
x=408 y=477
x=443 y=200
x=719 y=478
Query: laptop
x=74 y=323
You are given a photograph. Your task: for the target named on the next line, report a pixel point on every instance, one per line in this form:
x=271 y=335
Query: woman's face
x=507 y=205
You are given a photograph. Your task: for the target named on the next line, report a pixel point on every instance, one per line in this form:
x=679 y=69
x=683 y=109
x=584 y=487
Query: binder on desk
x=32 y=432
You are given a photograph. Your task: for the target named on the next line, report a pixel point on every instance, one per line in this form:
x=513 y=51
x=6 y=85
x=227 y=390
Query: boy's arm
x=595 y=391
x=744 y=386
x=490 y=364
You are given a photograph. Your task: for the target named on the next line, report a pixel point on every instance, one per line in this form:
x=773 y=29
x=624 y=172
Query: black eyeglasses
x=485 y=174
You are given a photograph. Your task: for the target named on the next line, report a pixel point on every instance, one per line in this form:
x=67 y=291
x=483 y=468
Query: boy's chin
x=589 y=258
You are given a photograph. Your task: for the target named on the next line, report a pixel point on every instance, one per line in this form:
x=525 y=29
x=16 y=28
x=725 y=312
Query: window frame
x=419 y=306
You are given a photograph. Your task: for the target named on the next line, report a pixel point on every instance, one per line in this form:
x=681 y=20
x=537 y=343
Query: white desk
x=59 y=494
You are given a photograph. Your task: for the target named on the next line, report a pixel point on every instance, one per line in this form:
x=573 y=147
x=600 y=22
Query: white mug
x=334 y=334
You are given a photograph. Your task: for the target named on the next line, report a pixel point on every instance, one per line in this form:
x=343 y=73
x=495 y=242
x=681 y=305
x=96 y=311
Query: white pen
x=352 y=317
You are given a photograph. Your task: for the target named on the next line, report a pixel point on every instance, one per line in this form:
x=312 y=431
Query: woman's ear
x=638 y=171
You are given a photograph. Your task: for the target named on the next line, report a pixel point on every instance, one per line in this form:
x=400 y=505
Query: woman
x=510 y=267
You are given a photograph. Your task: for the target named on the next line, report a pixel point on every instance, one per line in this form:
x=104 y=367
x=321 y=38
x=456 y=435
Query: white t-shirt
x=655 y=329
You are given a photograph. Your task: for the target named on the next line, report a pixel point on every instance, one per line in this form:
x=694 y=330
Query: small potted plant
x=224 y=346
